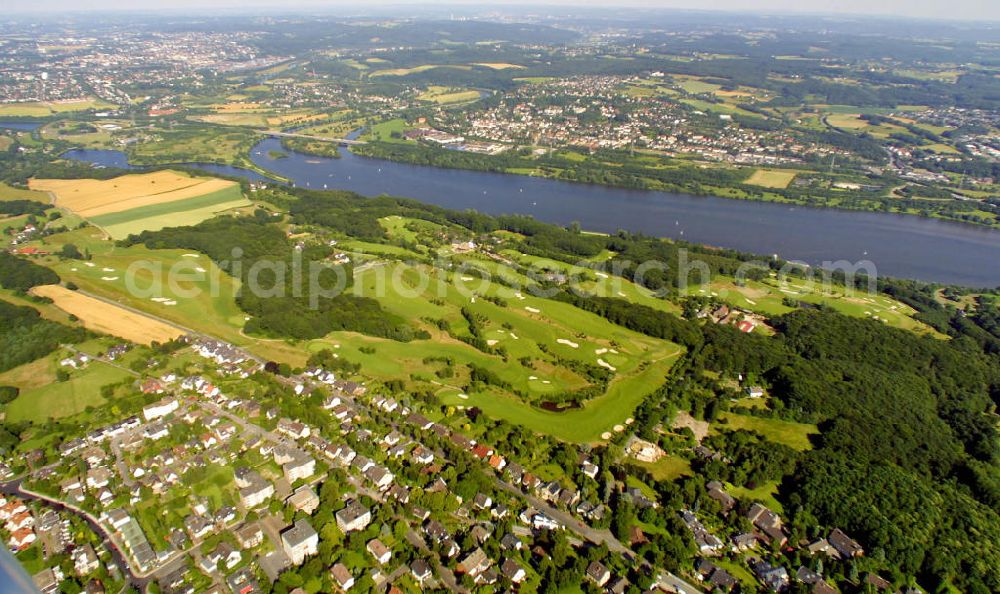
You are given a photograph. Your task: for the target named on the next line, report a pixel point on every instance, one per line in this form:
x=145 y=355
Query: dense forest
x=20 y=275
x=907 y=455
x=26 y=336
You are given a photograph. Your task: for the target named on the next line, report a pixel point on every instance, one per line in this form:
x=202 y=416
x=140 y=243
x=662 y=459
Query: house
x=510 y=542
x=302 y=467
x=475 y=563
x=299 y=541
x=228 y=555
x=421 y=570
x=379 y=551
x=598 y=573
x=422 y=455
x=304 y=499
x=754 y=391
x=160 y=408
x=198 y=526
x=353 y=517
x=98 y=478
x=242 y=582
x=342 y=576
x=714 y=575
x=47 y=581
x=768 y=522
x=21 y=539
x=541 y=521
x=589 y=469
x=436 y=531
x=775 y=578
x=716 y=492
x=380 y=477
x=743 y=541
x=152 y=386
x=249 y=536
x=847 y=547
x=257 y=491
x=482 y=501
x=513 y=571
x=293 y=429
x=20 y=520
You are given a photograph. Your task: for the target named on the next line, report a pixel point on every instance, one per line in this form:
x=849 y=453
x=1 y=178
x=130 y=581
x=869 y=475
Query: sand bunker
x=568 y=343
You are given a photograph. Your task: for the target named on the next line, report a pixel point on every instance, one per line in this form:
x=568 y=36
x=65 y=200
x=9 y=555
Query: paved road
x=109 y=540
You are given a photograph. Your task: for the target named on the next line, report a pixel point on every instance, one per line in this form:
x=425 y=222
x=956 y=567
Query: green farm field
x=154 y=217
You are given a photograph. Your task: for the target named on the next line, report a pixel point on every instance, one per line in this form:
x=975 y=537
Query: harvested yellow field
x=500 y=65
x=239 y=107
x=91 y=197
x=107 y=318
x=771 y=178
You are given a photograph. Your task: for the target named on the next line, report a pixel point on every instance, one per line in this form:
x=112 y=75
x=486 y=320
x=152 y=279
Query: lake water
x=108 y=158
x=898 y=245
x=20 y=125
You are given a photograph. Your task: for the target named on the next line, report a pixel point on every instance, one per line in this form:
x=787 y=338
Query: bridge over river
x=341 y=141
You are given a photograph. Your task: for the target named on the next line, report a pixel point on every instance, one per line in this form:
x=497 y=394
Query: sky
x=976 y=10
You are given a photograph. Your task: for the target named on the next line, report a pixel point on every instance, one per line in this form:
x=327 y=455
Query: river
x=901 y=246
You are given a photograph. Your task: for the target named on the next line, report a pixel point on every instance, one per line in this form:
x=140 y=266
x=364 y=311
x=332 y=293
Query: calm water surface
x=898 y=245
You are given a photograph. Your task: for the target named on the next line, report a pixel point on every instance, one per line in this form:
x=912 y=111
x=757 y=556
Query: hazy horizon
x=978 y=10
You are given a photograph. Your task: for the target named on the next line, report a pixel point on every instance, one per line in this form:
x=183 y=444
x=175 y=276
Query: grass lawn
x=737 y=570
x=382 y=131
x=667 y=468
x=771 y=178
x=764 y=493
x=794 y=435
x=62 y=399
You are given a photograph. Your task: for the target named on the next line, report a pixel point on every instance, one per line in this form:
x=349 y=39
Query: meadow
x=38 y=402
x=794 y=435
x=771 y=178
x=447 y=95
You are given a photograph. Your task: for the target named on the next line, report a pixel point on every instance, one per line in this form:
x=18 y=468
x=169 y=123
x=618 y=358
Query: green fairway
x=768 y=297
x=212 y=309
x=583 y=425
